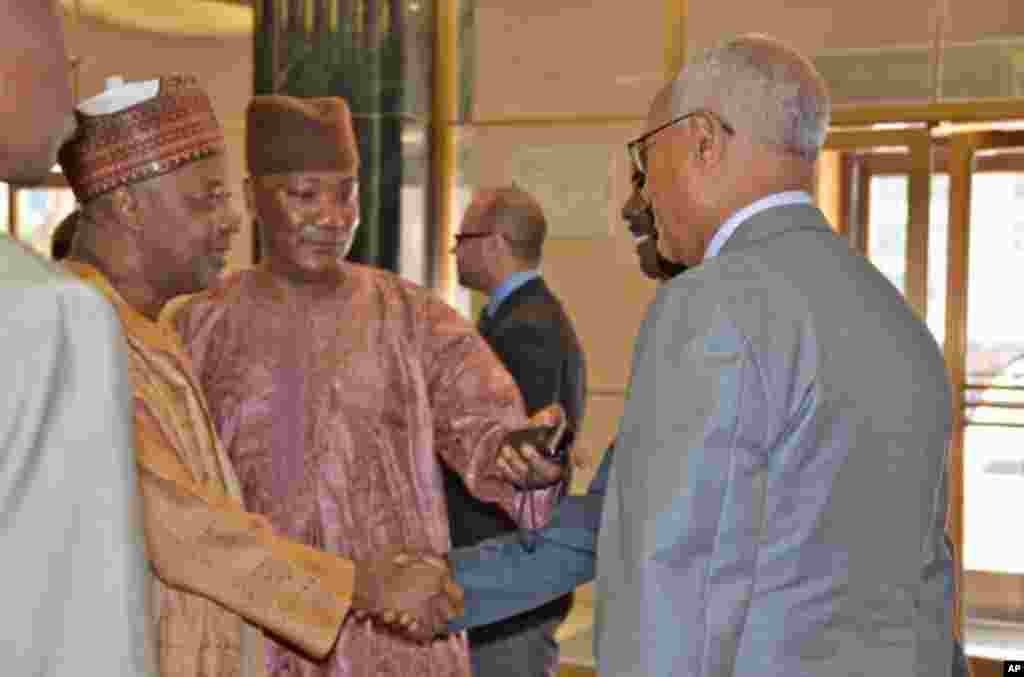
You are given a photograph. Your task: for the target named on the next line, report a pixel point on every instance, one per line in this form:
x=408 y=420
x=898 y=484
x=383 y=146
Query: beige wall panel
x=494 y=153
x=816 y=26
x=597 y=278
x=607 y=296
x=983 y=54
x=537 y=57
x=971 y=20
x=223 y=66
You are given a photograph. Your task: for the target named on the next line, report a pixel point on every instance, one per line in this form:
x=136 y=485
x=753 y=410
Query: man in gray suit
x=73 y=572
x=778 y=498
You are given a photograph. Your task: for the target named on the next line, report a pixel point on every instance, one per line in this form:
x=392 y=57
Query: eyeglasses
x=462 y=237
x=638 y=147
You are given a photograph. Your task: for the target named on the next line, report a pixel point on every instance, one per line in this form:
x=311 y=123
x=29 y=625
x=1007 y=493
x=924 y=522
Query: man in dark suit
x=498 y=251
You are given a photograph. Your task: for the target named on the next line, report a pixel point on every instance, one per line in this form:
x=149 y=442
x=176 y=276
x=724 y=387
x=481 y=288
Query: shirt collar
x=725 y=231
x=509 y=285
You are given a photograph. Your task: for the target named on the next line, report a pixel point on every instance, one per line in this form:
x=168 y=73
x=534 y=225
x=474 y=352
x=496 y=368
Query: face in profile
x=639 y=216
x=190 y=223
x=307 y=220
x=35 y=92
x=471 y=243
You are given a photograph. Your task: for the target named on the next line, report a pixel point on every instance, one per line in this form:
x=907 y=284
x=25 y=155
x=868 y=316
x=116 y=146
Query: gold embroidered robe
x=215 y=566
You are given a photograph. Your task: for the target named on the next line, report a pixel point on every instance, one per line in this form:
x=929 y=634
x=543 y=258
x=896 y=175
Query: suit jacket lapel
x=483 y=322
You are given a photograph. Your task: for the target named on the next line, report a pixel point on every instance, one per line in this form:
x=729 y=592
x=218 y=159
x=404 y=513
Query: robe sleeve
x=500 y=578
x=475 y=404
x=210 y=546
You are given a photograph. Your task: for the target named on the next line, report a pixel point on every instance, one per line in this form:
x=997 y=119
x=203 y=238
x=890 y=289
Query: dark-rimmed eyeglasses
x=462 y=237
x=637 y=148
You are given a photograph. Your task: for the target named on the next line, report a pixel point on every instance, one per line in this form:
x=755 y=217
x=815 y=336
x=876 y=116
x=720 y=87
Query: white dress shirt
x=725 y=231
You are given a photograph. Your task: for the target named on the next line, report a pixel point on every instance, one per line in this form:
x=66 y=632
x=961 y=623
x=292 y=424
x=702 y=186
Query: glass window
x=40 y=210
x=995 y=333
x=5 y=225
x=993 y=492
x=938 y=255
x=994 y=400
x=887 y=238
x=414 y=248
x=887 y=229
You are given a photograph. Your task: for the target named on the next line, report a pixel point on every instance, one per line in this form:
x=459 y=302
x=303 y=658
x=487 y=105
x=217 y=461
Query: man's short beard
x=208 y=272
x=469 y=280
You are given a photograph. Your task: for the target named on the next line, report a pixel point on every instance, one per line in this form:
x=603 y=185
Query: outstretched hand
x=529 y=458
x=412 y=594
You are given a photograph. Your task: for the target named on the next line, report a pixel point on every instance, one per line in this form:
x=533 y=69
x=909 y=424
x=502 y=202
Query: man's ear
x=497 y=245
x=250 y=196
x=708 y=142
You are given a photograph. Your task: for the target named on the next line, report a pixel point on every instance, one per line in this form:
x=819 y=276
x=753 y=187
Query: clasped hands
x=412 y=594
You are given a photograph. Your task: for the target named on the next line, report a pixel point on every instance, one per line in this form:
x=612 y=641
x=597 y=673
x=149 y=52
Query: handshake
x=411 y=594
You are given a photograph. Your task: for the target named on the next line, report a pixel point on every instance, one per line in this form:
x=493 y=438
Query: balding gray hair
x=520 y=219
x=762 y=85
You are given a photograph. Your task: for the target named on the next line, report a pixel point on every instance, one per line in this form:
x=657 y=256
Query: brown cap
x=154 y=134
x=284 y=134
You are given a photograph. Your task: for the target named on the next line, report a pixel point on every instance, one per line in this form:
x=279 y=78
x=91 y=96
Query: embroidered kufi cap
x=137 y=130
x=284 y=134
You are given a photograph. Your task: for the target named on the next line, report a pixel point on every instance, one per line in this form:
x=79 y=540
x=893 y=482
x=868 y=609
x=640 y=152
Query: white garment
x=72 y=590
x=119 y=95
x=725 y=231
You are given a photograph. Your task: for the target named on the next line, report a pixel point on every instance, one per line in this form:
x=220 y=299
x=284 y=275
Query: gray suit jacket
x=73 y=585
x=778 y=497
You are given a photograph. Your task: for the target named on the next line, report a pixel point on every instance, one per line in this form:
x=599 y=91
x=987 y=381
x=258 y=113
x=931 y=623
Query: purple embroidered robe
x=337 y=411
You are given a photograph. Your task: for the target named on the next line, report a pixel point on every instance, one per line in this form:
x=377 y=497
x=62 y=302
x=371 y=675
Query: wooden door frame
x=962 y=166
x=853 y=213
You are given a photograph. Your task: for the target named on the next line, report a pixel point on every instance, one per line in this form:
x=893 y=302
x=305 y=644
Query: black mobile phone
x=544 y=439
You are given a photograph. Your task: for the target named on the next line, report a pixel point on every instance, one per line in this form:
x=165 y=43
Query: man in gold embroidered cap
x=339 y=389
x=148 y=167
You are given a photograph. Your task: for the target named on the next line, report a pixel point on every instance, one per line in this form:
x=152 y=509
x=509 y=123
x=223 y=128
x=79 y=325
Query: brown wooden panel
x=918 y=207
x=445 y=103
x=958 y=111
x=570 y=670
x=829 y=188
x=960 y=166
x=995 y=595
x=985 y=667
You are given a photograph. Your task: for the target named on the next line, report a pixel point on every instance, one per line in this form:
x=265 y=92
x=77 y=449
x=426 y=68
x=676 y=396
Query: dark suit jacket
x=534 y=338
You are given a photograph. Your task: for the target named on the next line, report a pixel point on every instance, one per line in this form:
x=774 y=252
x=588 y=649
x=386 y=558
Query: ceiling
x=191 y=18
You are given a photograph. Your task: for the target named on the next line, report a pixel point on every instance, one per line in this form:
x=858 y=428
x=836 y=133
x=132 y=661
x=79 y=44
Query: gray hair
x=762 y=85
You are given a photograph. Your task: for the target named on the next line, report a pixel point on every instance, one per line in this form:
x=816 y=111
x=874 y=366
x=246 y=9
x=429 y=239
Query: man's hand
x=528 y=459
x=415 y=595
